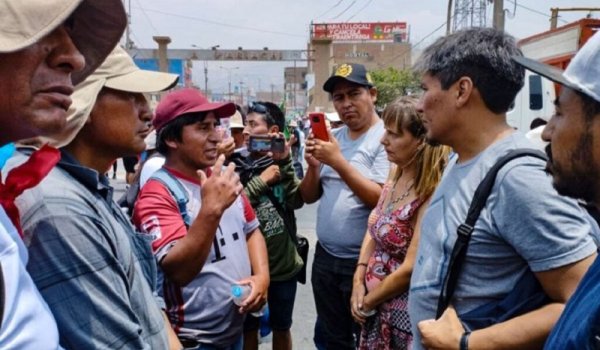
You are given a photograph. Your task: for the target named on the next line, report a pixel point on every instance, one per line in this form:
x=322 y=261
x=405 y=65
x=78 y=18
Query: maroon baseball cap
x=185 y=101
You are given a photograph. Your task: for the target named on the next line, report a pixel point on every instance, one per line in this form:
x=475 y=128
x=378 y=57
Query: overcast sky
x=284 y=24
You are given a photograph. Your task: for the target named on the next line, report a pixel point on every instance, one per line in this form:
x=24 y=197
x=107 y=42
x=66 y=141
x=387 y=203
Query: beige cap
x=236 y=121
x=97 y=26
x=118 y=72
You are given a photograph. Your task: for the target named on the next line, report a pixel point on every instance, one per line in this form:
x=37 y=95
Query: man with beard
x=574 y=151
x=45 y=47
x=526 y=231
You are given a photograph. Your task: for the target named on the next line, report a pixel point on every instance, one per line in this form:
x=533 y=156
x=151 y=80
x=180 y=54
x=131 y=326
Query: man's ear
x=274 y=129
x=464 y=90
x=373 y=93
x=172 y=143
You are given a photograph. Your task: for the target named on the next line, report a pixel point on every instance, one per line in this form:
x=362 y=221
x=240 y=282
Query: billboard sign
x=374 y=31
x=176 y=66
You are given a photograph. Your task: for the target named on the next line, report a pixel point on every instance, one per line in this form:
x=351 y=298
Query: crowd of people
x=439 y=226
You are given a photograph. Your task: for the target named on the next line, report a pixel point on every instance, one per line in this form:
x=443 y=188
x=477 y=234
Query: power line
x=197 y=19
x=329 y=9
x=147 y=17
x=413 y=46
x=535 y=11
x=346 y=9
x=360 y=10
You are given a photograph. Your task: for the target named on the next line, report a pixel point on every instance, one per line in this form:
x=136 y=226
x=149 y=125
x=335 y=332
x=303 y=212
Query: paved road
x=304 y=309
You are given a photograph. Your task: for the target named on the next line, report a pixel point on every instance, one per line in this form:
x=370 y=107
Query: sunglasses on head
x=257 y=107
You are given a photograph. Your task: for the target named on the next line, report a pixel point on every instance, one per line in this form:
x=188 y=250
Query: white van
x=535 y=100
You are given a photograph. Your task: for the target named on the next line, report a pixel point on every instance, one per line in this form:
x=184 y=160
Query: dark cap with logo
x=352 y=72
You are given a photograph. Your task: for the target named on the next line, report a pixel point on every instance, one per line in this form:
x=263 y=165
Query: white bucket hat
x=236 y=121
x=118 y=72
x=96 y=29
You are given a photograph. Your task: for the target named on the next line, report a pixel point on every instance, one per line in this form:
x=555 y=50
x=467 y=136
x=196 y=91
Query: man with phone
x=273 y=191
x=346 y=174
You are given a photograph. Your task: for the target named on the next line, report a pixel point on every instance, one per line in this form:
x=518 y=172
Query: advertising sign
x=176 y=66
x=377 y=31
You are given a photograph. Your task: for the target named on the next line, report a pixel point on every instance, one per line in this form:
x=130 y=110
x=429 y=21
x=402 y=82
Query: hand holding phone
x=266 y=143
x=318 y=125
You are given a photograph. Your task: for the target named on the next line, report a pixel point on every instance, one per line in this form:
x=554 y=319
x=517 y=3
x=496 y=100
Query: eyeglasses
x=257 y=107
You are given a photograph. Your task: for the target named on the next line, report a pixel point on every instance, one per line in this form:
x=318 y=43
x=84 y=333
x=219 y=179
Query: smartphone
x=265 y=143
x=318 y=126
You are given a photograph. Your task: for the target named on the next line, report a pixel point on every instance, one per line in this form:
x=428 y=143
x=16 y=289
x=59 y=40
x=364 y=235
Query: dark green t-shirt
x=284 y=261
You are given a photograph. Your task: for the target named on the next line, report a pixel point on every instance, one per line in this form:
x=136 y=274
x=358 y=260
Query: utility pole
x=128 y=42
x=228 y=69
x=206 y=78
x=499 y=14
x=294 y=87
x=242 y=92
x=449 y=18
x=555 y=10
x=272 y=92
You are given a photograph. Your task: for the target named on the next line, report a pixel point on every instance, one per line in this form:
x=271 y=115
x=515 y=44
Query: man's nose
x=64 y=54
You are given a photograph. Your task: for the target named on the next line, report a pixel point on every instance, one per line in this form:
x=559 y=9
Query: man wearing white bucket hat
x=97 y=275
x=45 y=47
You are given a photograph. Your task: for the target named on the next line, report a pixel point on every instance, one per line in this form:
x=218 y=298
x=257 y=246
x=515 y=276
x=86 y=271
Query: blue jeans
x=332 y=288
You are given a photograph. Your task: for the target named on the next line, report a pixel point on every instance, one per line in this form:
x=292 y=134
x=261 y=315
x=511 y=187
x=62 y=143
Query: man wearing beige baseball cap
x=45 y=47
x=96 y=273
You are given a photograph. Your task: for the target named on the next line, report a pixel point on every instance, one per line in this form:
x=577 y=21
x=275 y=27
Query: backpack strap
x=177 y=191
x=465 y=229
x=288 y=220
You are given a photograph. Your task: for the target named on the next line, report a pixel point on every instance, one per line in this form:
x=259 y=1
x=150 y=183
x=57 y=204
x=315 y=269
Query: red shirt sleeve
x=248 y=210
x=156 y=213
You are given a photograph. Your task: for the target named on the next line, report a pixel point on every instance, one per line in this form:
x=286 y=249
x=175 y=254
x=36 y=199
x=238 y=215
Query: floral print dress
x=392 y=232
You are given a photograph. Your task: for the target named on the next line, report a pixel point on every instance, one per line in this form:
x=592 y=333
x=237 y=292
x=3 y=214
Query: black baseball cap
x=352 y=72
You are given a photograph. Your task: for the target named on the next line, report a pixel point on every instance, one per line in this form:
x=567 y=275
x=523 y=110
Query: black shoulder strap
x=286 y=220
x=465 y=229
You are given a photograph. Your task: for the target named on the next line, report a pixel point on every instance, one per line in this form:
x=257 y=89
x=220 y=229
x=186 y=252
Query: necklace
x=393 y=200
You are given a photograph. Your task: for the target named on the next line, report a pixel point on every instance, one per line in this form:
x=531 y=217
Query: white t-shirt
x=149 y=167
x=342 y=215
x=28 y=322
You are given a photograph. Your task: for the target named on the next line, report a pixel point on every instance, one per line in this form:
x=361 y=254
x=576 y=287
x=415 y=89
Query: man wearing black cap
x=346 y=174
x=574 y=152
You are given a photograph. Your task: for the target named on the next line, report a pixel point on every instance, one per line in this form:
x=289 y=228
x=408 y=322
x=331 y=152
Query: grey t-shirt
x=524 y=223
x=342 y=216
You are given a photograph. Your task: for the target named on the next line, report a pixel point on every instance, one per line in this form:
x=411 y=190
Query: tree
x=392 y=83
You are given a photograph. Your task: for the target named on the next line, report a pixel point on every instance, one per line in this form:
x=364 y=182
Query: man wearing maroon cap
x=205 y=233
